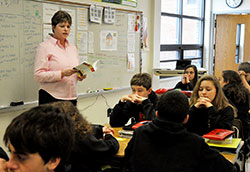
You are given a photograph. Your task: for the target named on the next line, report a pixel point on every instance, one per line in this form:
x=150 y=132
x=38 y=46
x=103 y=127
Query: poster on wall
x=108 y=40
x=131 y=3
x=95 y=13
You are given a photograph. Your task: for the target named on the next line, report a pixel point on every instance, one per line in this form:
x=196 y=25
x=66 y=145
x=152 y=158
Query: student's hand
x=127 y=98
x=134 y=98
x=242 y=74
x=108 y=130
x=138 y=99
x=67 y=72
x=203 y=102
x=80 y=78
x=3 y=166
x=185 y=79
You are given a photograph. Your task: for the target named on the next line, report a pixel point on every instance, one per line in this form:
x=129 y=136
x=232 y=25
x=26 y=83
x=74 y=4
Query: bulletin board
x=23 y=28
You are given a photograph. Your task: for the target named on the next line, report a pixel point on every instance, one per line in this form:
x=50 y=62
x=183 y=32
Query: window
x=181 y=36
x=240 y=35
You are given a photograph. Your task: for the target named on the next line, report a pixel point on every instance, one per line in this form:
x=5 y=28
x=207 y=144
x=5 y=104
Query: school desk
x=232 y=157
x=123 y=142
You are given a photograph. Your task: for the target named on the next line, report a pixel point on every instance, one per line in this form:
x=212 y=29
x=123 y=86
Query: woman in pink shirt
x=55 y=59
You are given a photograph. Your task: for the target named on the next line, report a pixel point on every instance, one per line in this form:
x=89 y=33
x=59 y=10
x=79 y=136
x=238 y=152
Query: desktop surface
x=232 y=157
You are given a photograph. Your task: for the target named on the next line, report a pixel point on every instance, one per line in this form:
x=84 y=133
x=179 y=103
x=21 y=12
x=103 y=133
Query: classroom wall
x=220 y=6
x=217 y=7
x=212 y=7
x=94 y=108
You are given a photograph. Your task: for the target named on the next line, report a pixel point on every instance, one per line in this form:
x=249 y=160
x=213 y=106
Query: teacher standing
x=55 y=59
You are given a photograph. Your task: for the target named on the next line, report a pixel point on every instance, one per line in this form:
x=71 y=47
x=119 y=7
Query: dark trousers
x=45 y=97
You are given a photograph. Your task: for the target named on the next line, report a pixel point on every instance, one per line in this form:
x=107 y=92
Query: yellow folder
x=235 y=143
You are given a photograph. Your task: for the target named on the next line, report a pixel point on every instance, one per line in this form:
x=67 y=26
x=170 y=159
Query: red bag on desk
x=161 y=91
x=218 y=134
x=135 y=125
x=187 y=93
x=140 y=124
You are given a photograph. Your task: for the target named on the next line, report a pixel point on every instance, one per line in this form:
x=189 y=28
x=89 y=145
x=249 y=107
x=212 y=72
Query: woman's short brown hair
x=59 y=17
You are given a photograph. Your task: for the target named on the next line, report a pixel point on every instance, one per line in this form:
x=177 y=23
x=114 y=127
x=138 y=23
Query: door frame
x=211 y=57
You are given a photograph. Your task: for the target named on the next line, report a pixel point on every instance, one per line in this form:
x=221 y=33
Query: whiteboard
x=21 y=26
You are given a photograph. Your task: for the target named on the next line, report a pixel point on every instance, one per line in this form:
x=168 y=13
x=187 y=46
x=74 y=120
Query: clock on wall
x=234 y=3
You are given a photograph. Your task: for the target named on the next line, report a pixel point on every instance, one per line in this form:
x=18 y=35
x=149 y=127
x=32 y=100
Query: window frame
x=180 y=48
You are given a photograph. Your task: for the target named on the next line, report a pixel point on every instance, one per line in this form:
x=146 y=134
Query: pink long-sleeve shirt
x=51 y=59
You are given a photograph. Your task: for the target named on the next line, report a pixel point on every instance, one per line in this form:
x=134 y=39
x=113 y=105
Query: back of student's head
x=82 y=125
x=244 y=66
x=44 y=130
x=231 y=77
x=234 y=87
x=173 y=106
x=141 y=79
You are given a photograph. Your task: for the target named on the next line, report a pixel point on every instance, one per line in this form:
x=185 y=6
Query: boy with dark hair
x=39 y=140
x=139 y=105
x=244 y=71
x=165 y=145
x=244 y=66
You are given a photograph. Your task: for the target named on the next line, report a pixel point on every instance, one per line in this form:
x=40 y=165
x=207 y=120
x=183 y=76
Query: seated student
x=189 y=79
x=93 y=145
x=244 y=71
x=165 y=145
x=210 y=108
x=140 y=104
x=237 y=95
x=39 y=140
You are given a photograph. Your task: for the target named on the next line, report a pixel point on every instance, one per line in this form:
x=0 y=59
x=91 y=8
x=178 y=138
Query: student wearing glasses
x=189 y=79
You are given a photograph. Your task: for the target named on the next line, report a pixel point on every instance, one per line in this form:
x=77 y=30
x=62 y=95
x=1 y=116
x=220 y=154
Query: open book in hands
x=85 y=68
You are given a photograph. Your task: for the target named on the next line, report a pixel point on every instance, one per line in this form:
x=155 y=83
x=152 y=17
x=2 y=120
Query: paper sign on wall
x=82 y=19
x=95 y=13
x=131 y=62
x=109 y=16
x=108 y=40
x=48 y=11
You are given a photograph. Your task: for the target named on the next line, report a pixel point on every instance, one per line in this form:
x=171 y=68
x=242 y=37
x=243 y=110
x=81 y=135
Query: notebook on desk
x=126 y=133
x=231 y=147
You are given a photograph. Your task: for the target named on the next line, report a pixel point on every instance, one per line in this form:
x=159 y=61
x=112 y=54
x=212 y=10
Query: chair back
x=238 y=129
